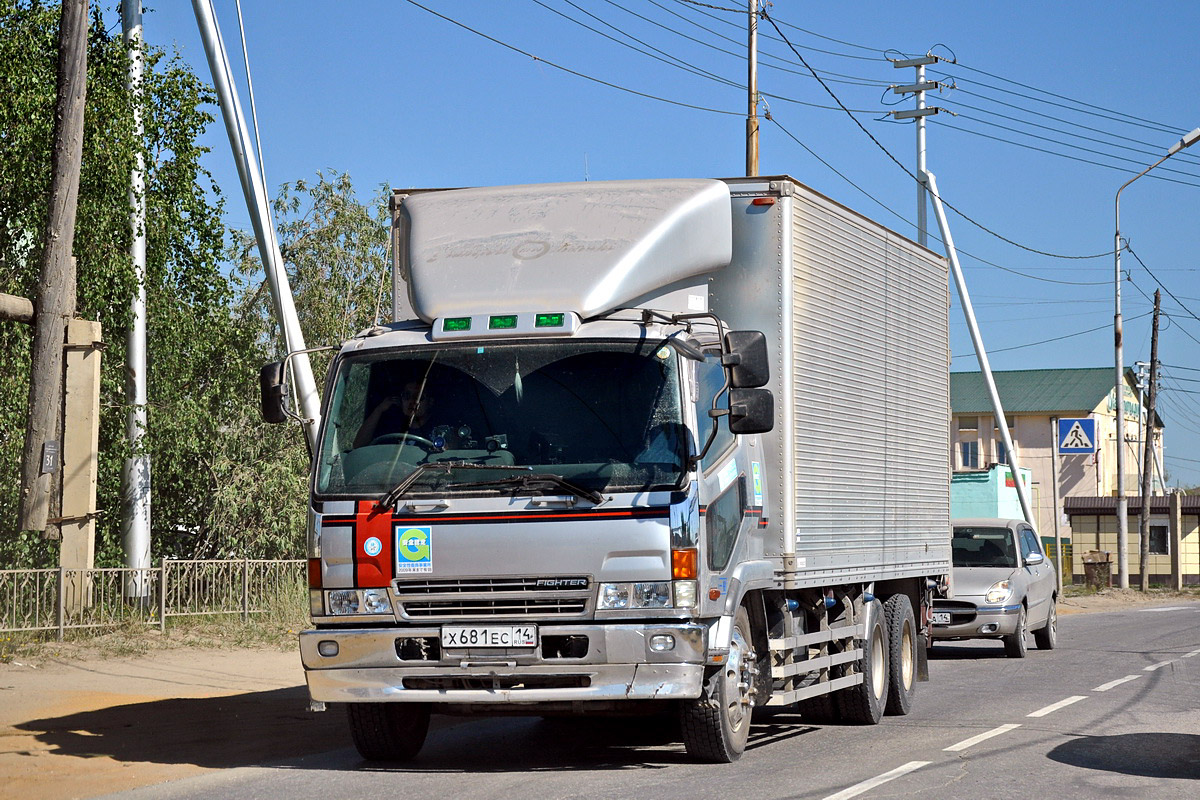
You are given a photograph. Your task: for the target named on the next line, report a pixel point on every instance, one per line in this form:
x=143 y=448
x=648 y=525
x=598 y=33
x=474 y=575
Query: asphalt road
x=1113 y=712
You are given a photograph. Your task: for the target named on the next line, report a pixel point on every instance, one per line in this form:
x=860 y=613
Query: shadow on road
x=972 y=650
x=276 y=727
x=238 y=730
x=1150 y=755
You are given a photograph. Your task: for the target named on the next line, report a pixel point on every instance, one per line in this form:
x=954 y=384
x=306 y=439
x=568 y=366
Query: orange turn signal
x=683 y=564
x=314 y=573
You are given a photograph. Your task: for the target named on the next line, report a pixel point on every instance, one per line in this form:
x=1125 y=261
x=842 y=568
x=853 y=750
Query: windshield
x=603 y=415
x=984 y=547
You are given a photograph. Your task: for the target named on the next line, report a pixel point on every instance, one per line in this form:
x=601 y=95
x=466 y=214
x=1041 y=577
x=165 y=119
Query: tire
x=864 y=704
x=1014 y=643
x=388 y=731
x=1046 y=638
x=902 y=654
x=716 y=726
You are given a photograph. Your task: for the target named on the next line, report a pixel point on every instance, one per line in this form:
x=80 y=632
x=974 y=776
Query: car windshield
x=603 y=415
x=984 y=547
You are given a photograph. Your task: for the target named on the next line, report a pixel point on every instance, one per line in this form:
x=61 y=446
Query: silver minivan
x=1004 y=587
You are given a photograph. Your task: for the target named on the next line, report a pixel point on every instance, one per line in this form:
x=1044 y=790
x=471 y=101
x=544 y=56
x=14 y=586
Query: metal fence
x=66 y=599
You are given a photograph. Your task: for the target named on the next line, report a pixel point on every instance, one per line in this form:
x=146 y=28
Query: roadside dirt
x=77 y=724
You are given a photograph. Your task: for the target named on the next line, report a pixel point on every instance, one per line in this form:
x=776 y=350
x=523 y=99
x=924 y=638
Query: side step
x=808 y=654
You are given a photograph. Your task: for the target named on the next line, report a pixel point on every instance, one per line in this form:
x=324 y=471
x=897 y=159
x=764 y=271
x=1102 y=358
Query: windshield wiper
x=534 y=483
x=389 y=499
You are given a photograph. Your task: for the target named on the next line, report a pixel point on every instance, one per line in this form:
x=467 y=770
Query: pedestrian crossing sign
x=1077 y=435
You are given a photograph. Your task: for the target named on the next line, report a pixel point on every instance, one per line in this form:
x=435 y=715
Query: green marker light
x=505 y=322
x=453 y=324
x=550 y=320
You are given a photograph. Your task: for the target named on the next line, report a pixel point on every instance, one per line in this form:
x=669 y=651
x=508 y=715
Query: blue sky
x=1057 y=105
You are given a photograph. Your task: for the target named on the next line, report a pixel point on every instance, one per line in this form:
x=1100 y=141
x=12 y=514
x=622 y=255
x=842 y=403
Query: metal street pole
x=1119 y=410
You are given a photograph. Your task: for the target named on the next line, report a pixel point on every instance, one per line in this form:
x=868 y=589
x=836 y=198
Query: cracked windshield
x=603 y=415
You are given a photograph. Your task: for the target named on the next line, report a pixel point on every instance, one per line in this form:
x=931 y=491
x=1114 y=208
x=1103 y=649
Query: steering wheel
x=399 y=438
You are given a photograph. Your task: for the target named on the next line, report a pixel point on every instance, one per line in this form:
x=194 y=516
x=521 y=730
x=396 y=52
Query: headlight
x=998 y=592
x=657 y=594
x=358 y=601
x=343 y=601
x=685 y=594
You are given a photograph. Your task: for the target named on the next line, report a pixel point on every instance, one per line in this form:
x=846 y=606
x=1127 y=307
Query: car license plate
x=941 y=618
x=489 y=636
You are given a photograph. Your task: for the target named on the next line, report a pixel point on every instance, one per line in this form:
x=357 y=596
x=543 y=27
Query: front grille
x=519 y=597
x=488 y=585
x=961 y=611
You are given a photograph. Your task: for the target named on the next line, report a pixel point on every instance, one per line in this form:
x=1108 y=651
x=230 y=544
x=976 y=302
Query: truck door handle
x=431 y=505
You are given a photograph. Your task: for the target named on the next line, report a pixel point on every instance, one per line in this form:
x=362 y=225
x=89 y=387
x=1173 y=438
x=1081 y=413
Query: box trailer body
x=661 y=442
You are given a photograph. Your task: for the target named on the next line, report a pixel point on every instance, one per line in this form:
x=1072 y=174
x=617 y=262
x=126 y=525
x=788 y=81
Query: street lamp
x=1123 y=504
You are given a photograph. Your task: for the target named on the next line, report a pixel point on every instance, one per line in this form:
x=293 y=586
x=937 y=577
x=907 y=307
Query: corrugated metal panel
x=869 y=443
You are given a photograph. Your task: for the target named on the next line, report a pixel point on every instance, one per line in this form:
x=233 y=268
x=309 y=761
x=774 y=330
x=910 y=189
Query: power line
x=571 y=71
x=1056 y=338
x=908 y=172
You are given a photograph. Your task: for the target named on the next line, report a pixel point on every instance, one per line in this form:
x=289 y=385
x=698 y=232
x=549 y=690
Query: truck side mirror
x=274 y=390
x=751 y=410
x=747 y=359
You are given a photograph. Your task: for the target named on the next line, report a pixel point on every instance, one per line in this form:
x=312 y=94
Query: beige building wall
x=1099 y=532
x=1091 y=475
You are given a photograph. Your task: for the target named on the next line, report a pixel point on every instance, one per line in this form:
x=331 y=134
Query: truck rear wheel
x=388 y=731
x=902 y=653
x=863 y=704
x=716 y=726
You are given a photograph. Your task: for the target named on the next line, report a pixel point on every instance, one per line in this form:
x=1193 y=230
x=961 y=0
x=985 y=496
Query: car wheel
x=1047 y=638
x=388 y=731
x=1014 y=643
x=716 y=726
x=902 y=653
x=863 y=704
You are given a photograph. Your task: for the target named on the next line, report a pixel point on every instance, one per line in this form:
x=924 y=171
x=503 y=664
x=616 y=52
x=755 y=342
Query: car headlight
x=998 y=592
x=358 y=601
x=615 y=596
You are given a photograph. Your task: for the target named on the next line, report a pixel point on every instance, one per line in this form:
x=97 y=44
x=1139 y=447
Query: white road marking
x=1159 y=665
x=1166 y=608
x=974 y=740
x=1113 y=684
x=1193 y=653
x=1050 y=709
x=879 y=780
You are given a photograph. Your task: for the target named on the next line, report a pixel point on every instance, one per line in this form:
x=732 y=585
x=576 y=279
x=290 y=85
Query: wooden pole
x=56 y=283
x=1148 y=453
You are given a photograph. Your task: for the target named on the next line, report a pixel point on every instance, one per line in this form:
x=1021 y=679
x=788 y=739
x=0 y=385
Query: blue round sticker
x=372 y=547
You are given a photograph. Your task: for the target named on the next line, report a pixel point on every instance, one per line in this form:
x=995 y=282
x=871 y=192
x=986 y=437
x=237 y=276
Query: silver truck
x=663 y=446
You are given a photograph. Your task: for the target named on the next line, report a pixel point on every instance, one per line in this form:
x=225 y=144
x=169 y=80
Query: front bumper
x=970 y=621
x=618 y=665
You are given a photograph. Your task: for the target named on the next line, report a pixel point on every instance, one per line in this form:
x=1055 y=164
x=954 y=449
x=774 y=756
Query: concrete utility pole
x=919 y=114
x=55 y=303
x=257 y=203
x=752 y=91
x=1148 y=450
x=135 y=479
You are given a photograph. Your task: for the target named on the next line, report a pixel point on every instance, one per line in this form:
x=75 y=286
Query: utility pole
x=752 y=91
x=55 y=303
x=135 y=479
x=919 y=88
x=1148 y=450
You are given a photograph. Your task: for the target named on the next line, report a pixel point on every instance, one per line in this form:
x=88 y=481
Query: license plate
x=941 y=618
x=489 y=636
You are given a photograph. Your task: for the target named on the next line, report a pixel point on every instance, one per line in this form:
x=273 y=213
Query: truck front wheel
x=716 y=726
x=388 y=731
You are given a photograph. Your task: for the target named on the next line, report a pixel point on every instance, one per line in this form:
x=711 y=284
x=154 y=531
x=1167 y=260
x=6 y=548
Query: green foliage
x=224 y=484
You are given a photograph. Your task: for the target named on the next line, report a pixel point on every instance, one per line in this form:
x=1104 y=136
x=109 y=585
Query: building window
x=1158 y=540
x=968 y=442
x=1001 y=450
